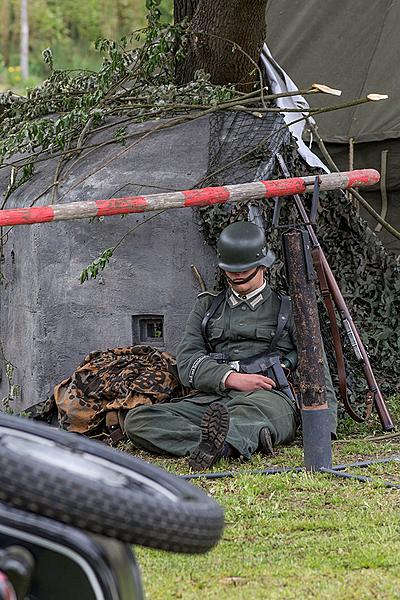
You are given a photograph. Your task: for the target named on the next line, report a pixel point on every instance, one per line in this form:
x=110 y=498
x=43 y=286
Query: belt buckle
x=235 y=365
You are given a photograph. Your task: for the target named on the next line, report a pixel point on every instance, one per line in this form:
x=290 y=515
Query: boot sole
x=214 y=429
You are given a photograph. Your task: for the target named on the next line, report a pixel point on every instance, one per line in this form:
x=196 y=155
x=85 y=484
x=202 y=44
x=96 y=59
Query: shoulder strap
x=215 y=304
x=283 y=316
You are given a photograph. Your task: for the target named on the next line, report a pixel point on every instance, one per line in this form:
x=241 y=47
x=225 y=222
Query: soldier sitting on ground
x=229 y=339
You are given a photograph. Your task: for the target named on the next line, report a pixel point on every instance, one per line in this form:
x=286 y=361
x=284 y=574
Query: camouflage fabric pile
x=112 y=380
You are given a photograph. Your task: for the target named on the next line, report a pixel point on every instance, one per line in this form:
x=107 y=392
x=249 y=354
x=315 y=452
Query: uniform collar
x=251 y=294
x=252 y=300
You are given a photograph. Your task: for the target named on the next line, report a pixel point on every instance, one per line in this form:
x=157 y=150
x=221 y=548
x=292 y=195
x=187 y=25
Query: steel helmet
x=242 y=246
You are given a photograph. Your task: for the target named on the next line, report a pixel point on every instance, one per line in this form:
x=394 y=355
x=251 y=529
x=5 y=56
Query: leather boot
x=265 y=442
x=214 y=429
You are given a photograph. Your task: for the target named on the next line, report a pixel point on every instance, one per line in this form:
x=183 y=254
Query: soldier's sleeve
x=330 y=391
x=196 y=369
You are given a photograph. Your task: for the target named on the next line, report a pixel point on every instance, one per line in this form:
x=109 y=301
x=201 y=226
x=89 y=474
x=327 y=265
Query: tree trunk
x=226 y=42
x=184 y=8
x=24 y=40
x=5 y=32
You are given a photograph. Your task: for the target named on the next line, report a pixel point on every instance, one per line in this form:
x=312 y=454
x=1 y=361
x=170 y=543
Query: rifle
x=330 y=291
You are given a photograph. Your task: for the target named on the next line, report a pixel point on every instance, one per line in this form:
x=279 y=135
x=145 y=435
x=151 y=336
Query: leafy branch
x=92 y=270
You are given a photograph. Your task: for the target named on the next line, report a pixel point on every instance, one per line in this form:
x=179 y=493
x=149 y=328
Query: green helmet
x=242 y=246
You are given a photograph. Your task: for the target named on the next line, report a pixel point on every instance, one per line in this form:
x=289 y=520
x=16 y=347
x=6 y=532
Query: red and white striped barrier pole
x=189 y=198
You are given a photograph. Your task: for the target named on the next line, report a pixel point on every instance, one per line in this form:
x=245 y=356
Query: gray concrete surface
x=48 y=321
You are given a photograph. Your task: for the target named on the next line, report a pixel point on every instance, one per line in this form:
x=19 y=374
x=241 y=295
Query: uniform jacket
x=240 y=328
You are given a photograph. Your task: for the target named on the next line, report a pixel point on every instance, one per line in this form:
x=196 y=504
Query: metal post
x=314 y=406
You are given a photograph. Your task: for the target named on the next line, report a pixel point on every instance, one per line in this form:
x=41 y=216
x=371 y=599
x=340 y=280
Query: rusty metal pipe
x=314 y=406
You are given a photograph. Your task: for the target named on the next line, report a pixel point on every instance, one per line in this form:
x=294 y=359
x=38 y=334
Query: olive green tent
x=351 y=45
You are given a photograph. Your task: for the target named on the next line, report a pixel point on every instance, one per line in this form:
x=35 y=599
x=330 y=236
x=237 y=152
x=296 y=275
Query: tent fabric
x=351 y=45
x=366 y=156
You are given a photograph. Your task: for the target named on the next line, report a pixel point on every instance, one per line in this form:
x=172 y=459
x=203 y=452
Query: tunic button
x=244 y=307
x=236 y=351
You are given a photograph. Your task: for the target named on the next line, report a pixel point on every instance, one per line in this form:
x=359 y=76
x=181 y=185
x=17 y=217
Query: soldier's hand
x=244 y=382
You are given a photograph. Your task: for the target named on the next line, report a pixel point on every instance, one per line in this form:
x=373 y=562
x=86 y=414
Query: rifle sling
x=283 y=316
x=337 y=344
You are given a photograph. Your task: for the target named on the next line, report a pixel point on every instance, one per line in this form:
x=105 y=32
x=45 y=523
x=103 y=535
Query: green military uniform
x=241 y=327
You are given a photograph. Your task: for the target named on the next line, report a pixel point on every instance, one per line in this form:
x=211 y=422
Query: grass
x=293 y=535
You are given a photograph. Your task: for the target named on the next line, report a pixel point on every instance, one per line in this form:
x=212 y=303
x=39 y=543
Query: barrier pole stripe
x=117 y=206
x=284 y=187
x=67 y=212
x=257 y=190
x=208 y=196
x=362 y=177
x=26 y=216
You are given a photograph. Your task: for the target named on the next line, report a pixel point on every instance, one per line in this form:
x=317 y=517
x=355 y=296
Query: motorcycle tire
x=83 y=483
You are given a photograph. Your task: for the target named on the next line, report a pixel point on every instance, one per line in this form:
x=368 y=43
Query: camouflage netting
x=242 y=149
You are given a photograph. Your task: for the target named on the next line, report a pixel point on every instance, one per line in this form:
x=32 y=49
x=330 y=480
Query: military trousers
x=174 y=428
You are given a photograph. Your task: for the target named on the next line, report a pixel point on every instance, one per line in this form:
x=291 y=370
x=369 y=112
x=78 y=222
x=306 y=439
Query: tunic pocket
x=214 y=332
x=264 y=332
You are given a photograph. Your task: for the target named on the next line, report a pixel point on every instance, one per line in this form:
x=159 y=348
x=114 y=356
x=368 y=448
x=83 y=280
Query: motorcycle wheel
x=81 y=482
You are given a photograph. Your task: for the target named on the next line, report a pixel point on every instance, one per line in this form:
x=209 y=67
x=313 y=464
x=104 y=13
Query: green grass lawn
x=293 y=535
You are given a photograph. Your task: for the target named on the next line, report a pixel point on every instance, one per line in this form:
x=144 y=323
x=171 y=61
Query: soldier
x=230 y=340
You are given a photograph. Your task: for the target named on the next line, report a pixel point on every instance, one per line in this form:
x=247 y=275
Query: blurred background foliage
x=70 y=28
